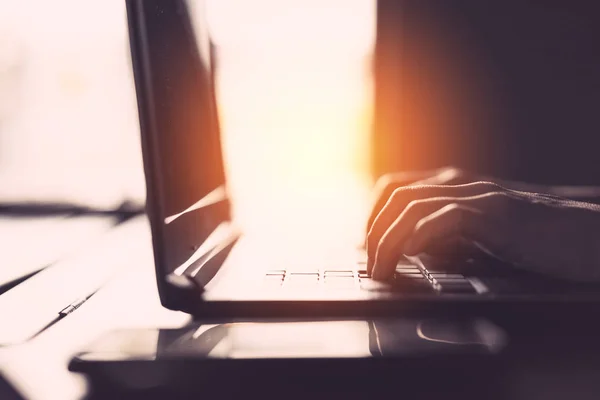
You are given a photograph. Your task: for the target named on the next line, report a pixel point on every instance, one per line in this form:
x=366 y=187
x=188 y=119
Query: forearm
x=589 y=194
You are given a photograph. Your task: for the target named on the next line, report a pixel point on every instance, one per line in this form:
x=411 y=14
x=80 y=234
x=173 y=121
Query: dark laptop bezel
x=187 y=233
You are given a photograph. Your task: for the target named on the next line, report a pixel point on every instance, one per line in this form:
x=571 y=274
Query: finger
x=458 y=219
x=403 y=196
x=394 y=242
x=386 y=185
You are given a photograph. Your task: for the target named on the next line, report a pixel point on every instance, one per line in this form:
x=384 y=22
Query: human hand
x=385 y=186
x=537 y=232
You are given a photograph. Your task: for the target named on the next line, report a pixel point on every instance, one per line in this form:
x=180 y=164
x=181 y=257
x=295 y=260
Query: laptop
x=206 y=267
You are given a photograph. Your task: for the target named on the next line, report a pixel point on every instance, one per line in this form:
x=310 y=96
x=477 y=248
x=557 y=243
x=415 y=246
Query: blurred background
x=68 y=122
x=294 y=89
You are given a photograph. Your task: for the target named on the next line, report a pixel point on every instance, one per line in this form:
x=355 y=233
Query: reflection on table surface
x=315 y=339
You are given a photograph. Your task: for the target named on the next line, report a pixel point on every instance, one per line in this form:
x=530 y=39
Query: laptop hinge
x=187 y=286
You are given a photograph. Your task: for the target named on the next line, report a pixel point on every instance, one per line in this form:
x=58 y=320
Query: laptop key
x=408 y=270
x=273 y=277
x=456 y=288
x=451 y=280
x=275 y=272
x=411 y=282
x=303 y=273
x=446 y=275
x=339 y=274
x=417 y=275
x=362 y=273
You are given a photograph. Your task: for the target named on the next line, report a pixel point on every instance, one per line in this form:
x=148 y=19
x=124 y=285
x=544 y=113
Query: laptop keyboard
x=408 y=278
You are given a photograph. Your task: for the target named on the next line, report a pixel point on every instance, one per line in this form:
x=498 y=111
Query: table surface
x=37 y=369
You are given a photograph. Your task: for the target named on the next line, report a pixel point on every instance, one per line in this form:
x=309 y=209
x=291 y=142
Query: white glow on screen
x=294 y=87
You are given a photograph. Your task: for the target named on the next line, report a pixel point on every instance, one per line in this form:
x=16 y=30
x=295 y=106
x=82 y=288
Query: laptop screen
x=183 y=163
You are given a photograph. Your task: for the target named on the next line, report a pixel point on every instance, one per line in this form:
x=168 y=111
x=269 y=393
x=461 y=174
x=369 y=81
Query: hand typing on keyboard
x=538 y=232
